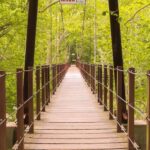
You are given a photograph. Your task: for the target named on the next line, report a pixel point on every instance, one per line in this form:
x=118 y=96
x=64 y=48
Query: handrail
x=97 y=77
x=48 y=78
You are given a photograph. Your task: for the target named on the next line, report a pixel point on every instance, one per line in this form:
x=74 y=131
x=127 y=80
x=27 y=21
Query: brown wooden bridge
x=71 y=107
x=74 y=120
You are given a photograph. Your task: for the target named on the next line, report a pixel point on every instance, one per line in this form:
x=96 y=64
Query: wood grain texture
x=75 y=121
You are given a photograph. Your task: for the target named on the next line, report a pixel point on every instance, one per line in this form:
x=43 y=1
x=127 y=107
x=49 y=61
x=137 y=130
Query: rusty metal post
x=54 y=78
x=92 y=82
x=105 y=87
x=101 y=82
x=94 y=79
x=91 y=73
x=130 y=109
x=48 y=83
x=87 y=74
x=111 y=92
x=45 y=85
x=20 y=110
x=88 y=71
x=62 y=71
x=30 y=102
x=53 y=81
x=84 y=71
x=148 y=113
x=98 y=84
x=59 y=80
x=57 y=70
x=38 y=103
x=90 y=76
x=43 y=88
x=119 y=100
x=2 y=111
x=59 y=73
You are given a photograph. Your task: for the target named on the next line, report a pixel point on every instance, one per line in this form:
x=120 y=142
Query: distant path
x=74 y=120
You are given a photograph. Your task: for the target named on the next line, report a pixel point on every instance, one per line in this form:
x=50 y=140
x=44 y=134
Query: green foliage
x=62 y=30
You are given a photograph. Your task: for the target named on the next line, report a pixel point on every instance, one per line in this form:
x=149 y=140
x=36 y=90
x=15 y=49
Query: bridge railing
x=47 y=79
x=101 y=79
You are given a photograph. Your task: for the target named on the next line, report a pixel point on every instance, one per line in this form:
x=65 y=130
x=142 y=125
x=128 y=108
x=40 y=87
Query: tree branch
x=62 y=17
x=137 y=13
x=51 y=4
x=5 y=26
x=4 y=33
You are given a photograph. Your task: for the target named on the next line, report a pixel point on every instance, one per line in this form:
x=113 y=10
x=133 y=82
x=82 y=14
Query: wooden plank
x=76 y=141
x=75 y=136
x=108 y=146
x=61 y=124
x=41 y=131
x=75 y=127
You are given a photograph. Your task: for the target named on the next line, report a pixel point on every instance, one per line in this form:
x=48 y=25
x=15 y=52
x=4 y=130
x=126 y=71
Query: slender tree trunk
x=95 y=30
x=49 y=48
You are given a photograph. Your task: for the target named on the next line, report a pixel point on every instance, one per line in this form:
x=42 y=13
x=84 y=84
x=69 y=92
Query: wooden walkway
x=74 y=120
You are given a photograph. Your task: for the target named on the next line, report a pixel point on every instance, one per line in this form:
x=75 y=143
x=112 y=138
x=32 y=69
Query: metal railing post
x=2 y=111
x=46 y=84
x=101 y=86
x=105 y=87
x=98 y=90
x=111 y=92
x=48 y=71
x=30 y=102
x=119 y=100
x=20 y=110
x=91 y=84
x=38 y=103
x=53 y=78
x=94 y=78
x=148 y=113
x=56 y=82
x=88 y=75
x=43 y=88
x=130 y=108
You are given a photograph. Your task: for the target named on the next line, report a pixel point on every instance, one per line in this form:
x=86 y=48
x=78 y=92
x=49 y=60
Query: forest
x=81 y=30
x=75 y=76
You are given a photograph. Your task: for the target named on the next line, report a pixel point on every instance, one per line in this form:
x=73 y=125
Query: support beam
x=116 y=44
x=30 y=44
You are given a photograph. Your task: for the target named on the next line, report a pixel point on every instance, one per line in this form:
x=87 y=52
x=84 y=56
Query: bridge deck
x=74 y=120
